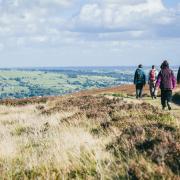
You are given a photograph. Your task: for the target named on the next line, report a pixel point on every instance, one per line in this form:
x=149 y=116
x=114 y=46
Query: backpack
x=140 y=76
x=152 y=75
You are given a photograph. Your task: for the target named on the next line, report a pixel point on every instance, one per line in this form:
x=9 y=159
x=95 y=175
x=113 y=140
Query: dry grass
x=25 y=101
x=88 y=137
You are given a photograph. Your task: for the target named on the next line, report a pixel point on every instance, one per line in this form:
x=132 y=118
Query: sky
x=89 y=32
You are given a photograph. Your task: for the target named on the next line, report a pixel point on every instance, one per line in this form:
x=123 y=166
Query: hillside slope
x=97 y=134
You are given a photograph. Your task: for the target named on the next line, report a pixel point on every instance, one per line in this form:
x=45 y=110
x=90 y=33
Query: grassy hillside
x=99 y=135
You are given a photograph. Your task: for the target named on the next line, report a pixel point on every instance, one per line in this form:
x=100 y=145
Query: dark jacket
x=178 y=76
x=166 y=79
x=139 y=77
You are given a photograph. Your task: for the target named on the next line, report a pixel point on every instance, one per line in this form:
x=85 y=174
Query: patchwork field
x=30 y=82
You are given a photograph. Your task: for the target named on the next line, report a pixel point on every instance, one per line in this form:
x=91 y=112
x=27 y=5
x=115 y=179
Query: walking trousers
x=166 y=97
x=152 y=88
x=139 y=90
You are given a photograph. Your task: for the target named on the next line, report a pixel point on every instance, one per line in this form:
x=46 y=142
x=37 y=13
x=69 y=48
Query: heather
x=88 y=137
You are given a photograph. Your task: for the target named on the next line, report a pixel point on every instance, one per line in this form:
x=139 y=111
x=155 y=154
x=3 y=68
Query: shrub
x=176 y=98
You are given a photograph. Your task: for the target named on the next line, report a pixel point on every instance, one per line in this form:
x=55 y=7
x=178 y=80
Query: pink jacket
x=166 y=79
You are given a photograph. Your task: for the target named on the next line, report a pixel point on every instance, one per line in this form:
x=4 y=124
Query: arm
x=144 y=79
x=149 y=77
x=158 y=82
x=135 y=77
x=156 y=73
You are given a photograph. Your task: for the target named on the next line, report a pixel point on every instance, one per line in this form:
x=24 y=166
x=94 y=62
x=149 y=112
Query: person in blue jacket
x=139 y=81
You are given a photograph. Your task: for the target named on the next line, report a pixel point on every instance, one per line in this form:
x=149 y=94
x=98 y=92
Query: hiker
x=139 y=81
x=178 y=76
x=167 y=82
x=152 y=82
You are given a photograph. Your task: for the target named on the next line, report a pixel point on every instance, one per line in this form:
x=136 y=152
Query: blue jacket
x=139 y=77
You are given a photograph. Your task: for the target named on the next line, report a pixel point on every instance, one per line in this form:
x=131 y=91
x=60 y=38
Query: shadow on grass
x=176 y=98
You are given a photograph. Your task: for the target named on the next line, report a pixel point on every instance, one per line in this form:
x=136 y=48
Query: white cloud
x=53 y=23
x=18 y=3
x=58 y=2
x=113 y=14
x=27 y=23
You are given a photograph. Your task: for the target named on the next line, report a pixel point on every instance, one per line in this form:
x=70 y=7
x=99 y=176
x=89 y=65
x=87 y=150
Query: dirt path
x=127 y=89
x=175 y=108
x=130 y=90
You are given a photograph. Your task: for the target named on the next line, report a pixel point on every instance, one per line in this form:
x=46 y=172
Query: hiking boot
x=169 y=106
x=163 y=108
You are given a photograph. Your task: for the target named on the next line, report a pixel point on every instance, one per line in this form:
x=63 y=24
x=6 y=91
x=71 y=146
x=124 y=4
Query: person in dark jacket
x=167 y=82
x=139 y=81
x=178 y=76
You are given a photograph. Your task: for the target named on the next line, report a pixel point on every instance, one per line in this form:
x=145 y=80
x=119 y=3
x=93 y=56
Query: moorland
x=94 y=134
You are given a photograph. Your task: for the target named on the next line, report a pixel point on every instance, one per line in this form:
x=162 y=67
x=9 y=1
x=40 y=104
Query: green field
x=20 y=84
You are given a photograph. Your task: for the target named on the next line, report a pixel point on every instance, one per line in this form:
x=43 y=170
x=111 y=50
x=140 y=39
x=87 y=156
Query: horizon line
x=55 y=67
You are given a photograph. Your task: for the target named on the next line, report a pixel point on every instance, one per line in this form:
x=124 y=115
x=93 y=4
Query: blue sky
x=89 y=32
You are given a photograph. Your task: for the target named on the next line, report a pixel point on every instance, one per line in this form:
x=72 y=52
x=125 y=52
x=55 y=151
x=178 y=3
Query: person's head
x=153 y=66
x=140 y=66
x=165 y=64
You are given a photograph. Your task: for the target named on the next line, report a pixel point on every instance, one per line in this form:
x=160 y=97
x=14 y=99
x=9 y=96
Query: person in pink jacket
x=167 y=82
